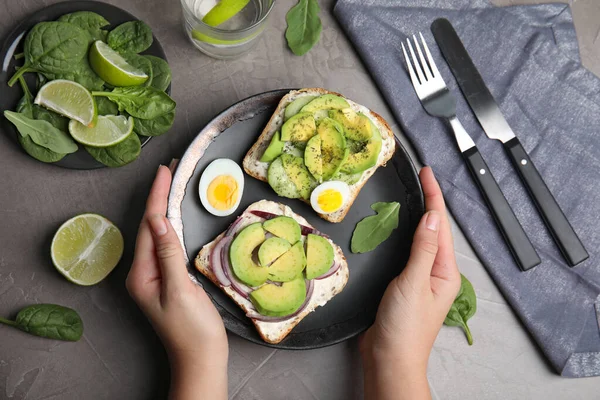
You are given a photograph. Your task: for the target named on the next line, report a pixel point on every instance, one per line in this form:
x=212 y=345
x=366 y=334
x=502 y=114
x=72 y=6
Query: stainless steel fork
x=439 y=102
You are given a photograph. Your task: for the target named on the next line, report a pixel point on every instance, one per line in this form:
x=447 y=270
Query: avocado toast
x=267 y=270
x=316 y=135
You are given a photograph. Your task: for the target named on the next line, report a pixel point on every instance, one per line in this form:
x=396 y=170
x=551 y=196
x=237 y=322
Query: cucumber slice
x=350 y=179
x=294 y=107
x=280 y=182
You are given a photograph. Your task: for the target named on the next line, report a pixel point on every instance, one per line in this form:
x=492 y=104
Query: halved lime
x=70 y=99
x=113 y=68
x=224 y=11
x=108 y=131
x=86 y=248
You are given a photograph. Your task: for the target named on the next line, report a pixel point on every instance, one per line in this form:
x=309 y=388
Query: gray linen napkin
x=529 y=58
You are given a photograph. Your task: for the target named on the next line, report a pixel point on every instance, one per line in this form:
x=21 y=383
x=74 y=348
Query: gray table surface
x=119 y=356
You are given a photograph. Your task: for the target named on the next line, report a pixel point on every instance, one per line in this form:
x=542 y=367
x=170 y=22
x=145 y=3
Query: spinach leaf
x=42 y=133
x=54 y=48
x=303 y=26
x=139 y=101
x=90 y=22
x=141 y=63
x=82 y=74
x=374 y=229
x=30 y=110
x=463 y=308
x=119 y=154
x=161 y=73
x=106 y=107
x=130 y=37
x=154 y=127
x=50 y=321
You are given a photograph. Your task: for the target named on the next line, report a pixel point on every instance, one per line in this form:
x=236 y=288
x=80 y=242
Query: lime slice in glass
x=86 y=248
x=70 y=99
x=108 y=131
x=224 y=11
x=112 y=68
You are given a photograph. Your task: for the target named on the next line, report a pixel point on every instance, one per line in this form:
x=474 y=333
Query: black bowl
x=14 y=45
x=351 y=312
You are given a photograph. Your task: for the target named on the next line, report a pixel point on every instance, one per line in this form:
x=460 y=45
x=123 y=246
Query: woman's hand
x=180 y=311
x=396 y=348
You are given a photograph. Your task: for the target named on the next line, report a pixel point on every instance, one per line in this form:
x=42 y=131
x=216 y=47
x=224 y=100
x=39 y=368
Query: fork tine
x=423 y=62
x=429 y=58
x=411 y=71
x=417 y=65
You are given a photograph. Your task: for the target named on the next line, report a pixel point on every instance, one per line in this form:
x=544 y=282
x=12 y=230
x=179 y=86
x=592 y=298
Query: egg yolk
x=330 y=200
x=222 y=192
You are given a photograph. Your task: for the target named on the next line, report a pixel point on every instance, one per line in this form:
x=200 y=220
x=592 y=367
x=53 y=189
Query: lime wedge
x=112 y=67
x=86 y=248
x=224 y=11
x=70 y=99
x=108 y=131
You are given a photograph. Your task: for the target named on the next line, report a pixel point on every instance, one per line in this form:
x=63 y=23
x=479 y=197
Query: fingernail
x=158 y=225
x=158 y=169
x=433 y=221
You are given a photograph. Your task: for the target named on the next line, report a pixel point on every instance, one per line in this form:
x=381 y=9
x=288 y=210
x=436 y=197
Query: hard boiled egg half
x=221 y=187
x=329 y=197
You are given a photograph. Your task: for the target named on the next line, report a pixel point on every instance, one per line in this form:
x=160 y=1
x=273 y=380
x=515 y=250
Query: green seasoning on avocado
x=289 y=266
x=333 y=147
x=299 y=128
x=241 y=251
x=279 y=301
x=296 y=170
x=357 y=126
x=326 y=102
x=363 y=155
x=313 y=158
x=319 y=256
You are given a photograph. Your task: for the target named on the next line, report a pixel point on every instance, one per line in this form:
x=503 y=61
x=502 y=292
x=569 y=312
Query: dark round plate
x=14 y=45
x=230 y=135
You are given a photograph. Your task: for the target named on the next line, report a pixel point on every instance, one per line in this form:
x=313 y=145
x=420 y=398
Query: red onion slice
x=265 y=318
x=236 y=285
x=216 y=262
x=233 y=228
x=334 y=268
x=304 y=229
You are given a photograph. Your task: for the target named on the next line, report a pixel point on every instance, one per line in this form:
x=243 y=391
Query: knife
x=495 y=127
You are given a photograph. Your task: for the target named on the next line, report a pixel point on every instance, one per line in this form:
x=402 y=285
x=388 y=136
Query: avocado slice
x=240 y=253
x=294 y=107
x=290 y=265
x=284 y=227
x=313 y=159
x=275 y=148
x=326 y=102
x=279 y=301
x=296 y=171
x=357 y=126
x=333 y=147
x=299 y=128
x=319 y=256
x=271 y=250
x=280 y=182
x=364 y=156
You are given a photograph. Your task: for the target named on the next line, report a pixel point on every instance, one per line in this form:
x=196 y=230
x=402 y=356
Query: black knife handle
x=514 y=235
x=560 y=228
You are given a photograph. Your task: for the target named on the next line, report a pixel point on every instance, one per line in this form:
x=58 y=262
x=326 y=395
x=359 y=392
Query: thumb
x=169 y=253
x=424 y=248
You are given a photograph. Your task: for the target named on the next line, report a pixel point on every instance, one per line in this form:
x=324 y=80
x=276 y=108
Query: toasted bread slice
x=257 y=169
x=324 y=289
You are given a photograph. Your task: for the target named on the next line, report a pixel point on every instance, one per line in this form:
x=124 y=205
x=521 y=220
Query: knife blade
x=495 y=126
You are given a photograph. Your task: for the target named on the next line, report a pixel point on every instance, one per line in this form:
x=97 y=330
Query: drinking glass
x=233 y=37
